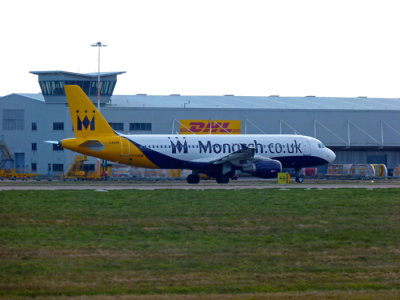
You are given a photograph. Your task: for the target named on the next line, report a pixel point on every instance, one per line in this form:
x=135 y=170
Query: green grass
x=72 y=243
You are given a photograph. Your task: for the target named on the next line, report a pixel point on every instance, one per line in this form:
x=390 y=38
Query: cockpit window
x=321 y=145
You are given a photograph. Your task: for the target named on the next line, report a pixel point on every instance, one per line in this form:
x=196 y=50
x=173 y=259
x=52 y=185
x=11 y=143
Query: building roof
x=89 y=75
x=36 y=97
x=247 y=102
x=254 y=102
x=228 y=101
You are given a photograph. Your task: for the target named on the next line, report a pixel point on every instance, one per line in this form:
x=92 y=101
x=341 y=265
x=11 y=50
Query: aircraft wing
x=245 y=153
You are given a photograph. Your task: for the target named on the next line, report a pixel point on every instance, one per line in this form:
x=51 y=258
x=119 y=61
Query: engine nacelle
x=266 y=168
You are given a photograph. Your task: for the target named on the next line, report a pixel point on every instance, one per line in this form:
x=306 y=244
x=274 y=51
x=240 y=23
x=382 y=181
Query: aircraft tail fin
x=87 y=121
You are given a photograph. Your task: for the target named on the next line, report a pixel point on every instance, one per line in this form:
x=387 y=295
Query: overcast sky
x=342 y=48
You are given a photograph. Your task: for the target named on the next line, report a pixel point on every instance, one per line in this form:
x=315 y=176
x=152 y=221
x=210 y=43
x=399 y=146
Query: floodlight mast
x=98 y=45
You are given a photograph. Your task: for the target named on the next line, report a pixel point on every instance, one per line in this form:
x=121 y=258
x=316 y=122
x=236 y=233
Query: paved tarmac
x=181 y=185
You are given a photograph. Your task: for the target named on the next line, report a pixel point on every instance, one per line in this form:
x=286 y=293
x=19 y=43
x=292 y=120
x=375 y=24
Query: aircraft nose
x=331 y=156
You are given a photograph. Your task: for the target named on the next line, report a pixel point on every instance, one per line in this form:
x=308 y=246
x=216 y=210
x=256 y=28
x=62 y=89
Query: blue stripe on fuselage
x=299 y=162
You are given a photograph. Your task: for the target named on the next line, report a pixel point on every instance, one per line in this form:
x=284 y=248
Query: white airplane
x=220 y=156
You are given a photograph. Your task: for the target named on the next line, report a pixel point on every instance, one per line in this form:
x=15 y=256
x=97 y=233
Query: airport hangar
x=360 y=130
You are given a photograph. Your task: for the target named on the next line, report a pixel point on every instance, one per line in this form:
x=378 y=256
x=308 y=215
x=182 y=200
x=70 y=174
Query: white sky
x=343 y=48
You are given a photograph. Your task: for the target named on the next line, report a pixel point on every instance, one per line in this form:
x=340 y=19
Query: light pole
x=98 y=45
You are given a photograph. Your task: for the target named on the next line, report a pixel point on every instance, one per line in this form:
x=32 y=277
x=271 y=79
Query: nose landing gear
x=299 y=176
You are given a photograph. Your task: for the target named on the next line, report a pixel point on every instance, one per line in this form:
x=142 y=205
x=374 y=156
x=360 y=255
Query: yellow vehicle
x=77 y=170
x=12 y=174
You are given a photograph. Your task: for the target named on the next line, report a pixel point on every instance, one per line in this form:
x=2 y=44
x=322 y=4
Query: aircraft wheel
x=193 y=179
x=222 y=179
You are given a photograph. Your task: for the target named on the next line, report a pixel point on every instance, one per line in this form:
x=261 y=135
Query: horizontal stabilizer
x=93 y=145
x=52 y=142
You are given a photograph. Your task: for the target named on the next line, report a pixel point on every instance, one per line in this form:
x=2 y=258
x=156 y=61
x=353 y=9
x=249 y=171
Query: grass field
x=176 y=244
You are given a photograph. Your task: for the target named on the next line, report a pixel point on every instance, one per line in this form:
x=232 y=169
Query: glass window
x=140 y=126
x=112 y=86
x=93 y=88
x=107 y=88
x=58 y=88
x=84 y=84
x=89 y=167
x=57 y=147
x=41 y=87
x=13 y=119
x=58 y=125
x=44 y=87
x=52 y=87
x=34 y=146
x=104 y=86
x=34 y=126
x=33 y=167
x=117 y=126
x=89 y=87
x=58 y=168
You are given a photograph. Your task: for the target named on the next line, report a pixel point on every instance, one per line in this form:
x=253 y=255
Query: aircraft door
x=125 y=146
x=305 y=147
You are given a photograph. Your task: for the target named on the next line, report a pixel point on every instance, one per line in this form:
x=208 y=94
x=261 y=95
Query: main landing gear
x=222 y=179
x=193 y=178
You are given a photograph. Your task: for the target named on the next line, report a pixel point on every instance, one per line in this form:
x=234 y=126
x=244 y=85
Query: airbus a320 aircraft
x=219 y=156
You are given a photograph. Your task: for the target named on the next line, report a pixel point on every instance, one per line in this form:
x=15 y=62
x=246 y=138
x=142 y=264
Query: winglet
x=87 y=121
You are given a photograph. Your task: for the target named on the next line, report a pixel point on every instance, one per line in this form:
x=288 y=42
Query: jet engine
x=263 y=168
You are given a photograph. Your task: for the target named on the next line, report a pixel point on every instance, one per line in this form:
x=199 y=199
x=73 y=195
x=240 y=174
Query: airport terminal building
x=359 y=130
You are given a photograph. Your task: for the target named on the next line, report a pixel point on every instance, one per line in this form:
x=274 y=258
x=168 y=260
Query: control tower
x=52 y=85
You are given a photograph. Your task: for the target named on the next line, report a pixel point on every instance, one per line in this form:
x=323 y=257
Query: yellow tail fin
x=86 y=119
